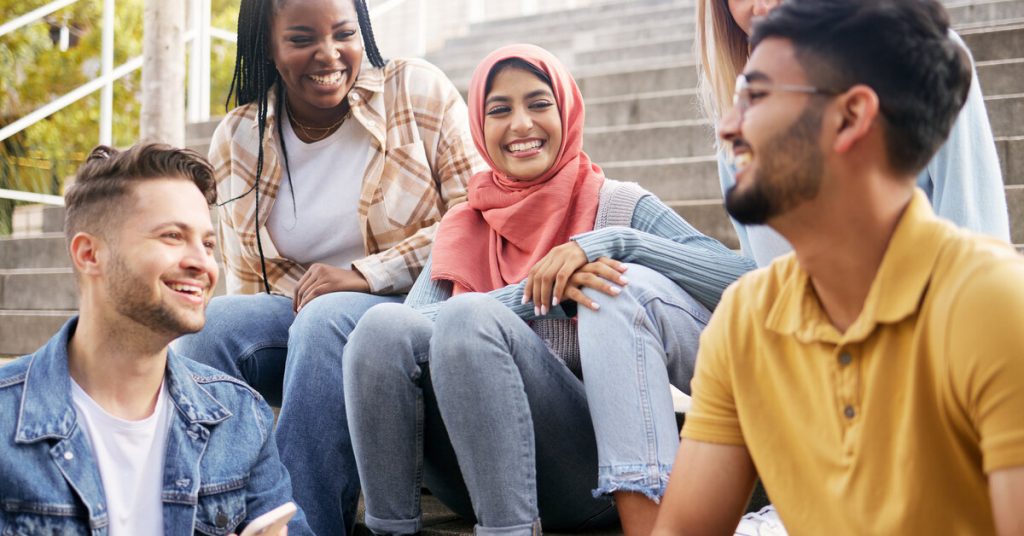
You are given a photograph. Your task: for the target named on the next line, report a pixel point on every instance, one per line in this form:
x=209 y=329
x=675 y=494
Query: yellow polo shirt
x=891 y=427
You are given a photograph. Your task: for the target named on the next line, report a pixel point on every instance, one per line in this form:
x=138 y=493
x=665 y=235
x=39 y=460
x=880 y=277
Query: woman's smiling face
x=317 y=49
x=522 y=126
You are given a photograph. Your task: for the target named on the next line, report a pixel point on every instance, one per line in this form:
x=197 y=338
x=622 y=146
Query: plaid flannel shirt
x=423 y=157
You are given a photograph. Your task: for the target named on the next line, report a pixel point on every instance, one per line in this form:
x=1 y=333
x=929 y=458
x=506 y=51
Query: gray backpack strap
x=618 y=201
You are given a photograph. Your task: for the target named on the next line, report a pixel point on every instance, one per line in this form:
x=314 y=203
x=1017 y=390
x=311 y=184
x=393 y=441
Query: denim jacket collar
x=47 y=412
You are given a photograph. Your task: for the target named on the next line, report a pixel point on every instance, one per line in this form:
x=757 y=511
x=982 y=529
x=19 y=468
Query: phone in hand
x=271 y=523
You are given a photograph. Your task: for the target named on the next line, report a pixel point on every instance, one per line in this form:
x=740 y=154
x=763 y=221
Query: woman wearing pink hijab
x=548 y=274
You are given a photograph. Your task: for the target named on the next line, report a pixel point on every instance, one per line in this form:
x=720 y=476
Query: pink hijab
x=508 y=226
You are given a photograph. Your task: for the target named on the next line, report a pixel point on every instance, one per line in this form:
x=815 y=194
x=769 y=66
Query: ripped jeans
x=631 y=349
x=475 y=407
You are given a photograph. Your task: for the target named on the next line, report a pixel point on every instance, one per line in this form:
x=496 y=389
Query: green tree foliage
x=34 y=71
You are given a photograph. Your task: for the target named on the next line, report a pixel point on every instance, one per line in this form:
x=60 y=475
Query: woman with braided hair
x=333 y=173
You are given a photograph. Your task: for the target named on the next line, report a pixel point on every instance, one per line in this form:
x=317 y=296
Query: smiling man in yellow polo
x=874 y=379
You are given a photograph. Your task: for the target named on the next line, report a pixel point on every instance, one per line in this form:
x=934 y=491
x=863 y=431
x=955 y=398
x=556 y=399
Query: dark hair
x=514 y=63
x=900 y=48
x=255 y=74
x=108 y=175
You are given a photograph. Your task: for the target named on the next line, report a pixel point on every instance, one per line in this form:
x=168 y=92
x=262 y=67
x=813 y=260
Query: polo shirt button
x=845 y=358
x=355 y=96
x=69 y=455
x=221 y=521
x=371 y=124
x=849 y=412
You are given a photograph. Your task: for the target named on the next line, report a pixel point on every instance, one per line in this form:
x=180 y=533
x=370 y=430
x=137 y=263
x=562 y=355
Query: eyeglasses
x=741 y=98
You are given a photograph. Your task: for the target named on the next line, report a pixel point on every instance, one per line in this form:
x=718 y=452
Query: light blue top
x=657 y=238
x=963 y=182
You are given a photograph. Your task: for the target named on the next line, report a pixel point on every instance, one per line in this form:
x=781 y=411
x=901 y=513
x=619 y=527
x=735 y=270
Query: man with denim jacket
x=104 y=430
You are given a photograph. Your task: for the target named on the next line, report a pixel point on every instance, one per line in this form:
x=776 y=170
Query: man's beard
x=788 y=173
x=132 y=299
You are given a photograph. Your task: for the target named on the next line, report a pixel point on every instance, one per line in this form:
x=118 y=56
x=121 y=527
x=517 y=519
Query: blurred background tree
x=46 y=59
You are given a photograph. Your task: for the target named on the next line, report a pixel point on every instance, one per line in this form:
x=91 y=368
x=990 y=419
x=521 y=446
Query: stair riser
x=995 y=44
x=24 y=334
x=631 y=110
x=37 y=252
x=611 y=14
x=45 y=291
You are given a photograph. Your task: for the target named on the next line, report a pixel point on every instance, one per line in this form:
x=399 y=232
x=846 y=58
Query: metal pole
x=107 y=62
x=199 y=61
x=204 y=72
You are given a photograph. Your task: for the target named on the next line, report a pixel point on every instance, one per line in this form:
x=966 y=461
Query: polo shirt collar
x=895 y=293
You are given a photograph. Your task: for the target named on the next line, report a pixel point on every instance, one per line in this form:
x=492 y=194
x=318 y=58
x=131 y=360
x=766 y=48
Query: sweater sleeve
x=661 y=240
x=427 y=296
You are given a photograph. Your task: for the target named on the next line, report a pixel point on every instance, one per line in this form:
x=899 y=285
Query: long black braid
x=255 y=74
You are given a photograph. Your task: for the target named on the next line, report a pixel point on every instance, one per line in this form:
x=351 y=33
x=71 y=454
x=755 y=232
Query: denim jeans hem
x=635 y=478
x=530 y=529
x=393 y=526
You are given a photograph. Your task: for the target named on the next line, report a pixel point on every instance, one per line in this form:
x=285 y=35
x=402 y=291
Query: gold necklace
x=326 y=131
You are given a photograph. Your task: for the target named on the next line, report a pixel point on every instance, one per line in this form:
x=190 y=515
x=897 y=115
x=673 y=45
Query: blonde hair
x=722 y=48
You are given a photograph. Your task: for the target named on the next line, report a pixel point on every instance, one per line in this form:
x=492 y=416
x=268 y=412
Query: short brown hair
x=108 y=175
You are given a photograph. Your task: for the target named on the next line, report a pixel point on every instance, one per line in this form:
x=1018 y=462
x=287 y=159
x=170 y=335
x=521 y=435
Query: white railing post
x=107 y=62
x=199 y=62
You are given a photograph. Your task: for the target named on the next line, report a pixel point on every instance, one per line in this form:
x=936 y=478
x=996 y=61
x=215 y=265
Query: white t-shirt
x=326 y=176
x=130 y=455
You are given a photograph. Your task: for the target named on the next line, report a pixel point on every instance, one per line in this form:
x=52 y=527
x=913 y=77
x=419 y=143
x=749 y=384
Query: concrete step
x=38 y=289
x=642 y=108
x=47 y=250
x=610 y=15
x=1011 y=157
x=1001 y=77
x=623 y=55
x=979 y=13
x=996 y=42
x=670 y=178
x=559 y=43
x=23 y=332
x=1006 y=113
x=638 y=80
x=666 y=139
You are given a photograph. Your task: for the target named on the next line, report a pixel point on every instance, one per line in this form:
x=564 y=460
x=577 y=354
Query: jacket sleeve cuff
x=376 y=275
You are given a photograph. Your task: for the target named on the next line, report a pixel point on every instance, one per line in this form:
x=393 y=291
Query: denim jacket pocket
x=221 y=507
x=31 y=519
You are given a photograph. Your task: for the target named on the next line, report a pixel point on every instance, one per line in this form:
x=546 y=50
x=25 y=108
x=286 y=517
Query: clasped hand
x=562 y=274
x=323 y=279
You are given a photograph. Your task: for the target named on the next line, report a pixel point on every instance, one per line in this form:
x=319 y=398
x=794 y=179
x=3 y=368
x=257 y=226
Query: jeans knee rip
x=649 y=480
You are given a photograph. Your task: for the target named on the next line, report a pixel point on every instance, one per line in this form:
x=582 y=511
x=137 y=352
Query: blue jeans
x=631 y=349
x=515 y=440
x=294 y=361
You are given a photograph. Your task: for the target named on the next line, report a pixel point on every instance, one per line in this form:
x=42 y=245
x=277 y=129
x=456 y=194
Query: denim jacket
x=221 y=468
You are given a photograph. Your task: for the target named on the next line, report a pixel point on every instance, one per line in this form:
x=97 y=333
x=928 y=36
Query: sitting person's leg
x=397 y=434
x=312 y=430
x=245 y=336
x=631 y=349
x=518 y=421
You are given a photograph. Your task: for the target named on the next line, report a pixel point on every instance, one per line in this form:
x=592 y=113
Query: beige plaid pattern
x=423 y=158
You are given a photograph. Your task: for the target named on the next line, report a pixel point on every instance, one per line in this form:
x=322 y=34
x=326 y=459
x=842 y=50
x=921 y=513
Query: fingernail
x=543 y=310
x=595 y=306
x=623 y=280
x=536 y=311
x=615 y=290
x=524 y=299
x=554 y=302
